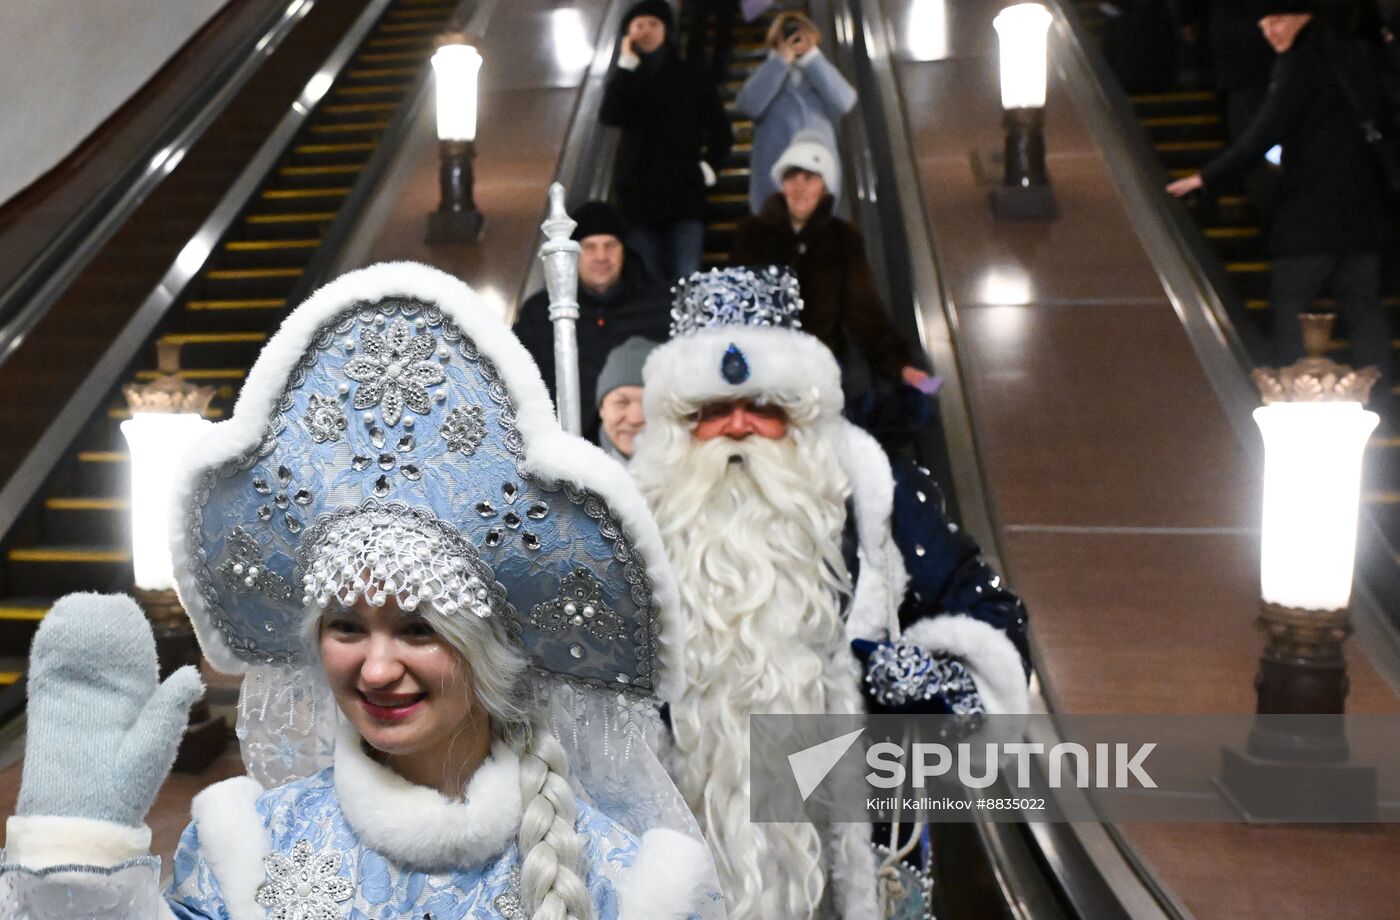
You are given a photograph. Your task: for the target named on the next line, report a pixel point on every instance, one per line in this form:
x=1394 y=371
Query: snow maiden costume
x=393 y=441
x=817 y=575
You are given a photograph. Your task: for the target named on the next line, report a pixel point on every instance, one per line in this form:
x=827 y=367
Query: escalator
x=1185 y=130
x=73 y=532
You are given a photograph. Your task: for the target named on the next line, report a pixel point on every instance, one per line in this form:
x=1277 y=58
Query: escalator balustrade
x=76 y=537
x=1187 y=128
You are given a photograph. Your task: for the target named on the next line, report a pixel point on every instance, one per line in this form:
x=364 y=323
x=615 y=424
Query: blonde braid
x=551 y=883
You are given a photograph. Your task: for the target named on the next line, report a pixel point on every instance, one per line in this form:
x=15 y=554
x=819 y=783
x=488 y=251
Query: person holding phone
x=796 y=89
x=675 y=139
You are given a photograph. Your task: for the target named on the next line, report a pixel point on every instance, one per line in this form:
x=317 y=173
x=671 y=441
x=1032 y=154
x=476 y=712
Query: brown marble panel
x=517 y=152
x=1153 y=622
x=1091 y=252
x=1283 y=872
x=1100 y=416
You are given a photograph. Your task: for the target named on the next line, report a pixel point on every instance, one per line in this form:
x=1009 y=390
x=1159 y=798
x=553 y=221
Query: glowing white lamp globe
x=456 y=67
x=1312 y=493
x=1022 y=31
x=156 y=441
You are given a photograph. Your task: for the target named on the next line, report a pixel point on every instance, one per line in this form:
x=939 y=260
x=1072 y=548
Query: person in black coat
x=617 y=299
x=675 y=139
x=1332 y=224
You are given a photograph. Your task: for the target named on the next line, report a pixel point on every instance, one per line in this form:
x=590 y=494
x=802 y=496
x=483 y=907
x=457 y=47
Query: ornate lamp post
x=166 y=418
x=1315 y=430
x=1024 y=193
x=560 y=254
x=456 y=68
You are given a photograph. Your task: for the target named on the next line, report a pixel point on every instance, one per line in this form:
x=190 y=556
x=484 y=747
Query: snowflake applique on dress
x=394 y=370
x=306 y=887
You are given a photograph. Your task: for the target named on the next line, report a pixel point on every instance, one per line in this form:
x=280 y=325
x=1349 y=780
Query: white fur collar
x=420 y=827
x=879 y=589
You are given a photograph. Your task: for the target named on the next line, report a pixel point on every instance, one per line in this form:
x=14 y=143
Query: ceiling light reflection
x=572 y=49
x=928 y=30
x=1005 y=284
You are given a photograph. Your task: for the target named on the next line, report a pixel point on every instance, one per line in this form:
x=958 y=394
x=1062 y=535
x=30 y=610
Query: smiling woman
x=392 y=519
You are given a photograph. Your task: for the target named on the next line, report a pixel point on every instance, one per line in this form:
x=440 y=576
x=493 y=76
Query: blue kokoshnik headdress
x=394 y=439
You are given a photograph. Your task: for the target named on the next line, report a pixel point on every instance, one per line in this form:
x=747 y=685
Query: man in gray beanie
x=620 y=396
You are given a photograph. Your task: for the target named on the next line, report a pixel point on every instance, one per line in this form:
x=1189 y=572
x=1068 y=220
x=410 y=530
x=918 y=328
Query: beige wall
x=66 y=65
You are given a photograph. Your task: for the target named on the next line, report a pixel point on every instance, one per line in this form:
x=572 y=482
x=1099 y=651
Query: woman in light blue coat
x=796 y=89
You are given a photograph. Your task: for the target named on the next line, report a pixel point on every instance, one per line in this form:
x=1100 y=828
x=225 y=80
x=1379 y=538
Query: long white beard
x=756 y=547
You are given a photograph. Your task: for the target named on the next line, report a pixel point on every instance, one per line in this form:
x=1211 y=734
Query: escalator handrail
x=28 y=298
x=328 y=261
x=24 y=485
x=589 y=151
x=1041 y=870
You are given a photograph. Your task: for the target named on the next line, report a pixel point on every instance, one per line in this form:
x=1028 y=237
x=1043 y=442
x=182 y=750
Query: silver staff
x=560 y=257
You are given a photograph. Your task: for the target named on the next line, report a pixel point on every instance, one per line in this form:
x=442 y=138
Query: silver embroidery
x=394 y=370
x=244 y=570
x=579 y=606
x=464 y=428
x=508 y=901
x=305 y=887
x=325 y=419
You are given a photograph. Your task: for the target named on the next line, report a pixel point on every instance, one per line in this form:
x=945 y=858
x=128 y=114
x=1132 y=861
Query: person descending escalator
x=676 y=138
x=797 y=228
x=1332 y=227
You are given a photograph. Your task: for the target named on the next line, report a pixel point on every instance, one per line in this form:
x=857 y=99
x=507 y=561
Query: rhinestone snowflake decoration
x=388 y=459
x=305 y=887
x=536 y=511
x=579 y=606
x=394 y=371
x=464 y=428
x=284 y=496
x=736 y=297
x=325 y=419
x=245 y=571
x=386 y=553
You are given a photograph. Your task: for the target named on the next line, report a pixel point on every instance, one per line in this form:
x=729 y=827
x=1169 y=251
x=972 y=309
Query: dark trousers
x=717 y=17
x=1355 y=281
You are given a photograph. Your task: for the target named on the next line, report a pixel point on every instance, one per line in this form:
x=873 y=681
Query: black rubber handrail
x=58 y=264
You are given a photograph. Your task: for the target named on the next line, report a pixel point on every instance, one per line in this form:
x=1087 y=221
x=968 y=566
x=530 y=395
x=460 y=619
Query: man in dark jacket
x=797 y=228
x=1332 y=225
x=675 y=139
x=617 y=299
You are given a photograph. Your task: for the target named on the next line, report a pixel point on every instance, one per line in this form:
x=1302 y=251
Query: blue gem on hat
x=734 y=367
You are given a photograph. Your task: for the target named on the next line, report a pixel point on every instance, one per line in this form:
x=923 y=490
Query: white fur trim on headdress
x=809 y=151
x=420 y=827
x=781 y=362
x=667 y=881
x=549 y=452
x=233 y=841
x=43 y=841
x=985 y=650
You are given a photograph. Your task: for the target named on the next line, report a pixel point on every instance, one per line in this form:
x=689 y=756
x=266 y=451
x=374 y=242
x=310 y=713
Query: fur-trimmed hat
x=736 y=334
x=809 y=151
x=658 y=9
